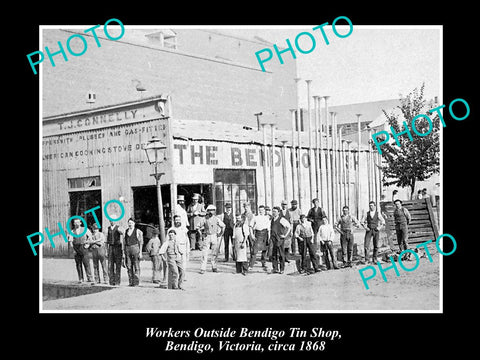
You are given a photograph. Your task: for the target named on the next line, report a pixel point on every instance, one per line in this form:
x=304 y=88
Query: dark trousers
x=99 y=257
x=114 y=263
x=133 y=264
x=82 y=259
x=241 y=267
x=278 y=255
x=402 y=236
x=227 y=239
x=346 y=241
x=293 y=247
x=303 y=246
x=259 y=242
x=329 y=252
x=369 y=235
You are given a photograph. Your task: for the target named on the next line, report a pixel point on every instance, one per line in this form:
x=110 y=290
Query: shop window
x=235 y=187
x=84 y=182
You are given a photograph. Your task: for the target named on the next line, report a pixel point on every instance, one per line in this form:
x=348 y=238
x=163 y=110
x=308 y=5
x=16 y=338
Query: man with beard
x=182 y=240
x=195 y=212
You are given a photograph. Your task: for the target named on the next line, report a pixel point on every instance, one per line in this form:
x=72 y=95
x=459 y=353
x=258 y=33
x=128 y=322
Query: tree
x=415 y=160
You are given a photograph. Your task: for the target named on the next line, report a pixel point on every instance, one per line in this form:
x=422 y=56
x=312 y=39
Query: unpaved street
x=258 y=291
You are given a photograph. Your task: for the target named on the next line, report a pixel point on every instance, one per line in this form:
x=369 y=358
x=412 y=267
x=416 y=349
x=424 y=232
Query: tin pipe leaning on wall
x=265 y=187
x=293 y=155
x=357 y=185
x=321 y=161
x=310 y=167
x=299 y=143
x=328 y=158
x=272 y=163
x=316 y=152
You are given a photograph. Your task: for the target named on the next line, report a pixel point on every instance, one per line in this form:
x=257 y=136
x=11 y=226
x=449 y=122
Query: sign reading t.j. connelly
x=102 y=136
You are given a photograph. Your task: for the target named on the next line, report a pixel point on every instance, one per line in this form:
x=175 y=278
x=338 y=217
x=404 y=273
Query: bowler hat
x=228 y=205
x=196 y=196
x=294 y=202
x=211 y=207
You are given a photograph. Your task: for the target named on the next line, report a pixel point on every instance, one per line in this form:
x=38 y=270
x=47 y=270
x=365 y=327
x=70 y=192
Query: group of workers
x=279 y=235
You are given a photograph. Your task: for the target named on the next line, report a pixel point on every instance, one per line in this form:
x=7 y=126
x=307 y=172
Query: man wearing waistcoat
x=344 y=227
x=402 y=218
x=82 y=253
x=373 y=222
x=196 y=214
x=315 y=216
x=133 y=244
x=115 y=251
x=229 y=221
x=279 y=230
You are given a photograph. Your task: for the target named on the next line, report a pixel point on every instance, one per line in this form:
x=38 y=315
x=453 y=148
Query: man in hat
x=229 y=221
x=304 y=235
x=213 y=230
x=402 y=219
x=172 y=253
x=196 y=213
x=294 y=215
x=344 y=227
x=99 y=254
x=153 y=248
x=284 y=210
x=81 y=246
x=183 y=242
x=180 y=210
x=115 y=251
x=372 y=223
x=315 y=216
x=261 y=233
x=133 y=245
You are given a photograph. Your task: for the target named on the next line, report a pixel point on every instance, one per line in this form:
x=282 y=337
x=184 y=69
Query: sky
x=373 y=63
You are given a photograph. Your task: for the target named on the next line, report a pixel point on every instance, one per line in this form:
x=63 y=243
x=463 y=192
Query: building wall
x=203 y=87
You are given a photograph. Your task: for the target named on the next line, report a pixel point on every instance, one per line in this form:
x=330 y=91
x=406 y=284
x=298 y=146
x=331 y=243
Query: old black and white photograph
x=241 y=168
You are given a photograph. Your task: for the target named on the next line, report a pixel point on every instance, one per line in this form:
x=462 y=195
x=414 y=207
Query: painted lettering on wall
x=196 y=154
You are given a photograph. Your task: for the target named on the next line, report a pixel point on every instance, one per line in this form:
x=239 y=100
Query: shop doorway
x=145 y=209
x=205 y=191
x=81 y=201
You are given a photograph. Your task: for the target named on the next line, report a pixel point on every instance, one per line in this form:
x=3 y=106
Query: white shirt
x=326 y=232
x=260 y=222
x=183 y=214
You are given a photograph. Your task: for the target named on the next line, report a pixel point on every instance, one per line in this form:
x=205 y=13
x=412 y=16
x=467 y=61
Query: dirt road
x=326 y=291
